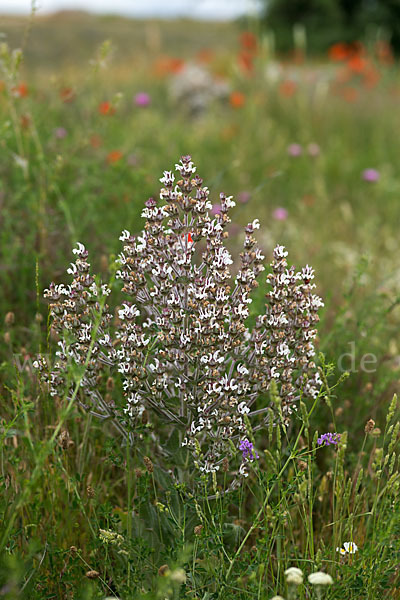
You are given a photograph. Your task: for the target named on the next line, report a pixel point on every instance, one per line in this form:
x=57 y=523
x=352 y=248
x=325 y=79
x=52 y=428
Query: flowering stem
x=264 y=505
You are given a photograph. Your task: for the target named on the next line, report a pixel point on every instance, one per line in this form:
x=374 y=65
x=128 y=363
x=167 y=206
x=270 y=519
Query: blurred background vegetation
x=330 y=21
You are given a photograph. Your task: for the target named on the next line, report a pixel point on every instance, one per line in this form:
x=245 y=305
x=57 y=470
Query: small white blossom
x=350 y=547
x=125 y=235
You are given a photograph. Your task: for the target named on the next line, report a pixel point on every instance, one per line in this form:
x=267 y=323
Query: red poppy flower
x=339 y=51
x=237 y=99
x=249 y=41
x=245 y=60
x=106 y=108
x=114 y=156
x=165 y=65
x=287 y=88
x=21 y=90
x=357 y=63
x=67 y=94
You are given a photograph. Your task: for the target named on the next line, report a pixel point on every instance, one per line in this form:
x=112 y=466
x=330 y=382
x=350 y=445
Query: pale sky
x=200 y=9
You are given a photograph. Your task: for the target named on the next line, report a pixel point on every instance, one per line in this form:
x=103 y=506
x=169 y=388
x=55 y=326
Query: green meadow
x=92 y=113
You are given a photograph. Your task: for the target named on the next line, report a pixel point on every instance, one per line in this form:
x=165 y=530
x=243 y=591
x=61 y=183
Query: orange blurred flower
x=245 y=60
x=165 y=65
x=249 y=41
x=106 y=108
x=67 y=94
x=357 y=63
x=21 y=90
x=237 y=99
x=205 y=56
x=95 y=141
x=287 y=88
x=339 y=51
x=114 y=156
x=350 y=94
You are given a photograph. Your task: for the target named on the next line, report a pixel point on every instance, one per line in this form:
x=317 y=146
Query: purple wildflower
x=60 y=133
x=295 y=150
x=280 y=214
x=371 y=175
x=142 y=99
x=248 y=450
x=327 y=439
x=244 y=197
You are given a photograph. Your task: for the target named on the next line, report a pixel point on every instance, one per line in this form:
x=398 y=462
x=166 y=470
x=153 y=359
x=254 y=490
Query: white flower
x=229 y=202
x=72 y=270
x=168 y=178
x=320 y=578
x=80 y=249
x=294 y=570
x=307 y=272
x=350 y=547
x=280 y=252
x=125 y=235
x=294 y=576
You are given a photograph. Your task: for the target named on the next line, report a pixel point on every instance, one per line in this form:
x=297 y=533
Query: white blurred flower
x=294 y=576
x=178 y=575
x=320 y=578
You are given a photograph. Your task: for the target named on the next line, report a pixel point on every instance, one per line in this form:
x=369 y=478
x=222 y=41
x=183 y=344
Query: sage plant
x=180 y=343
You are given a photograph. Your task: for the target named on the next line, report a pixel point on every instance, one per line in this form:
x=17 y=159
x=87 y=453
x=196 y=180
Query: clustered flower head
x=110 y=537
x=329 y=439
x=181 y=343
x=248 y=452
x=320 y=578
x=195 y=88
x=294 y=576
